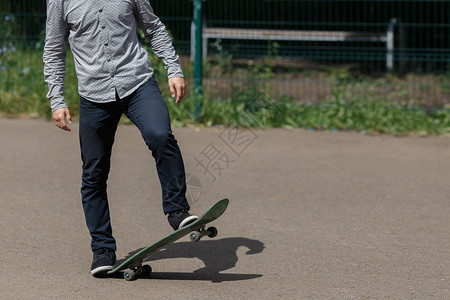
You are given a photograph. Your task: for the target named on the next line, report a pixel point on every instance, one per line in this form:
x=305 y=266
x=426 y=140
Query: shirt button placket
x=105 y=39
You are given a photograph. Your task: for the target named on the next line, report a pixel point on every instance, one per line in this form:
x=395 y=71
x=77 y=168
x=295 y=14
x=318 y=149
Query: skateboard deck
x=196 y=230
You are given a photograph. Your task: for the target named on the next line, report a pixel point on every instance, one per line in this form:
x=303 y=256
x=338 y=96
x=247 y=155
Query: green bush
x=23 y=91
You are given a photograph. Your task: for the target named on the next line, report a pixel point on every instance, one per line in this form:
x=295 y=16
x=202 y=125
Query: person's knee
x=156 y=138
x=95 y=174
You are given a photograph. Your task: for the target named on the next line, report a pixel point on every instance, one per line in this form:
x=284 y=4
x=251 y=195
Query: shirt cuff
x=174 y=72
x=57 y=104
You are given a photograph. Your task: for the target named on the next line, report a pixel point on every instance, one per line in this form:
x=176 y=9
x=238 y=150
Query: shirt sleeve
x=55 y=53
x=155 y=32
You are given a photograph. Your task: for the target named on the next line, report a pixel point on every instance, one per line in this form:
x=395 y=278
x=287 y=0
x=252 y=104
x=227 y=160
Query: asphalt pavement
x=312 y=215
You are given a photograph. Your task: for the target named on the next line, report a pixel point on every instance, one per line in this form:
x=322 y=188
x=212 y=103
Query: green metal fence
x=309 y=51
x=313 y=50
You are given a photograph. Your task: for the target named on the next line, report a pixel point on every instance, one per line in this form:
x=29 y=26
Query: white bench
x=298 y=35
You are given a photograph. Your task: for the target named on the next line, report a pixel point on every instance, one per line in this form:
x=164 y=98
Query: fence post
x=197 y=58
x=390 y=45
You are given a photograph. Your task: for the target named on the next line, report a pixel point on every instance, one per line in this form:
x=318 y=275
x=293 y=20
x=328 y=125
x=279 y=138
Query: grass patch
x=23 y=90
x=336 y=114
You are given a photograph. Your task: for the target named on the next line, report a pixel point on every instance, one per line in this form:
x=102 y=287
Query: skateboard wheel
x=195 y=236
x=129 y=275
x=212 y=232
x=146 y=270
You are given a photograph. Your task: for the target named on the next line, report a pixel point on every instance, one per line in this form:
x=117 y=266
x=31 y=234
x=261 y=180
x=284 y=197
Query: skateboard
x=196 y=230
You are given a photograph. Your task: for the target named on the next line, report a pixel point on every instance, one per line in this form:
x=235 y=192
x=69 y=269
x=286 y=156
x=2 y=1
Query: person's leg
x=148 y=111
x=98 y=124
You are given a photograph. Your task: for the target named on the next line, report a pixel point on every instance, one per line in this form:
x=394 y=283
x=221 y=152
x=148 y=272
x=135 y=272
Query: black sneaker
x=104 y=260
x=180 y=219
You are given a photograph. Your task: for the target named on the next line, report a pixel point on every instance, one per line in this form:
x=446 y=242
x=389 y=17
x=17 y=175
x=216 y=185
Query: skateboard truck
x=138 y=270
x=196 y=235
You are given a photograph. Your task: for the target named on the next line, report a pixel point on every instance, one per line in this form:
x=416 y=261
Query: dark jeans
x=98 y=123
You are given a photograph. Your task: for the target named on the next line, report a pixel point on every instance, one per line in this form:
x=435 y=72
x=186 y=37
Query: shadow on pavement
x=217 y=255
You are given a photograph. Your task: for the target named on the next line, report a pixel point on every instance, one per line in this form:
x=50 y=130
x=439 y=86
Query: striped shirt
x=107 y=53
